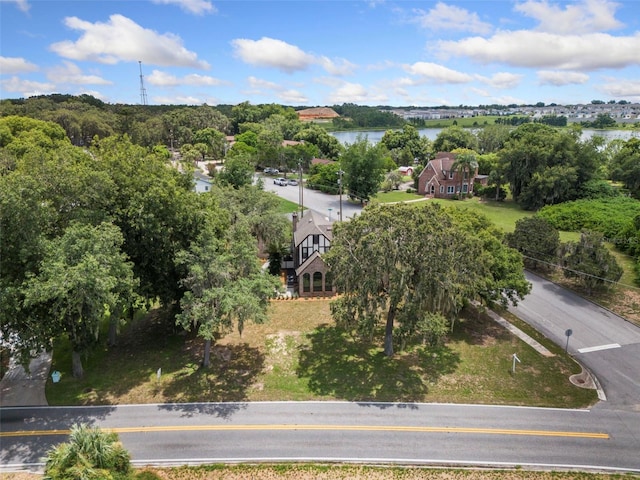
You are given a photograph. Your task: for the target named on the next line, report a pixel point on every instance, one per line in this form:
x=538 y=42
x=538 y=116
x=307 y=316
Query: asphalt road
x=427 y=434
x=605 y=343
x=315 y=200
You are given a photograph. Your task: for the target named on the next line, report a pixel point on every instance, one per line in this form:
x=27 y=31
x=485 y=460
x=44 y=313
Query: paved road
x=606 y=343
x=315 y=200
x=323 y=431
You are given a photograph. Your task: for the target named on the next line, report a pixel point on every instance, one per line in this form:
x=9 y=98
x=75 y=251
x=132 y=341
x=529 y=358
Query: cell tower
x=143 y=91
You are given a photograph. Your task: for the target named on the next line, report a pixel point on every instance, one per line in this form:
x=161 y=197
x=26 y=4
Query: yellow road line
x=368 y=428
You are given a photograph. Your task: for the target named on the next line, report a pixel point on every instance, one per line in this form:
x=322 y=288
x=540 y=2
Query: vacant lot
x=301 y=355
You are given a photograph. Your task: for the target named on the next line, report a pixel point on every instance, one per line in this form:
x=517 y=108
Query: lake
x=374 y=136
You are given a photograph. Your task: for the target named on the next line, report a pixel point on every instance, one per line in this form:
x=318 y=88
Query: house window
x=328 y=282
x=317 y=282
x=316 y=239
x=306 y=282
x=451 y=172
x=433 y=189
x=441 y=188
x=465 y=188
x=451 y=190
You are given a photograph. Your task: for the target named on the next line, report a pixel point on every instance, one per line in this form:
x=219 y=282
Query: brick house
x=439 y=180
x=311 y=238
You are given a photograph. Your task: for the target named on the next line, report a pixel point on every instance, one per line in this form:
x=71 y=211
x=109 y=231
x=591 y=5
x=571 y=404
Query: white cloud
x=546 y=50
x=21 y=4
x=121 y=39
x=622 y=88
x=286 y=95
x=180 y=100
x=586 y=16
x=433 y=72
x=198 y=7
x=338 y=67
x=164 y=79
x=26 y=88
x=450 y=17
x=293 y=97
x=71 y=73
x=560 y=78
x=13 y=65
x=269 y=52
x=480 y=92
x=502 y=80
x=355 y=93
x=273 y=53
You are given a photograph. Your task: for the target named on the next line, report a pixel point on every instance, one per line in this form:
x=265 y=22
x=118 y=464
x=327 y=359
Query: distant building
x=203 y=182
x=317 y=113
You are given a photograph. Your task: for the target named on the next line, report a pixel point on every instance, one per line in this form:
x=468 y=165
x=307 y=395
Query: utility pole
x=300 y=189
x=340 y=172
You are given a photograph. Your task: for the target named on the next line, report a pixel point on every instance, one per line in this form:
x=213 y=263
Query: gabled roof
x=443 y=162
x=312 y=224
x=199 y=176
x=300 y=270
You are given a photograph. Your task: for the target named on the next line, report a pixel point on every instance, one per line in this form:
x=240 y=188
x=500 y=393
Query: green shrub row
x=609 y=216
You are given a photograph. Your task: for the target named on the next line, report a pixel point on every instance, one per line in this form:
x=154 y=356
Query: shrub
x=90 y=453
x=609 y=216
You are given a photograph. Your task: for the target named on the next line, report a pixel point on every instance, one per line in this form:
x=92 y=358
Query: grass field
x=301 y=355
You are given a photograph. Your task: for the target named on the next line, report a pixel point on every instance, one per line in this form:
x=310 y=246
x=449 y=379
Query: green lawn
x=301 y=355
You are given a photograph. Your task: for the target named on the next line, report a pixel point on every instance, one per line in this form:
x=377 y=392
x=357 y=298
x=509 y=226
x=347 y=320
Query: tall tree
x=625 y=166
x=465 y=165
x=454 y=137
x=590 y=262
x=537 y=240
x=363 y=166
x=398 y=263
x=225 y=285
x=83 y=274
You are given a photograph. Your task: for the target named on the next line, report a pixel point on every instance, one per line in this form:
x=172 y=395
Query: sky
x=316 y=53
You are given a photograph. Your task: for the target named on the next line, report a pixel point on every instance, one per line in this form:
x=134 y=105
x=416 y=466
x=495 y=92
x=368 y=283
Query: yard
x=301 y=355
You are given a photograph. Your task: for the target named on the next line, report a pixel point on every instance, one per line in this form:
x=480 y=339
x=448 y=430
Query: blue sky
x=305 y=52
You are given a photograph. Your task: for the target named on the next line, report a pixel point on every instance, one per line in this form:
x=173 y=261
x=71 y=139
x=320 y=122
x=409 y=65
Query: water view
x=374 y=136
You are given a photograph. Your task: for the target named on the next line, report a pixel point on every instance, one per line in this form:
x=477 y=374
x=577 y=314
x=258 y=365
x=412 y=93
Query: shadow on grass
x=338 y=366
x=233 y=370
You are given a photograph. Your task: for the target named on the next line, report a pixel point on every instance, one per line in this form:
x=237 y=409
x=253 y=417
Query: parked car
x=270 y=171
x=280 y=181
x=292 y=181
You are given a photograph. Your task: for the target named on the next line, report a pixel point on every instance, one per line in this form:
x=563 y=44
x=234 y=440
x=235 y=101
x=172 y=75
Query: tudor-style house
x=312 y=236
x=440 y=180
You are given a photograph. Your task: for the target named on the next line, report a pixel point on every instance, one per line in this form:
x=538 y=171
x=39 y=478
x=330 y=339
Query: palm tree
x=465 y=163
x=90 y=453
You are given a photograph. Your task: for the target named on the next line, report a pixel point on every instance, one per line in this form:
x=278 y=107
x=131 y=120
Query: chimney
x=294 y=217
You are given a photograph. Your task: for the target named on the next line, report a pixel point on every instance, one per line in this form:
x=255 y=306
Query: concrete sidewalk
x=19 y=389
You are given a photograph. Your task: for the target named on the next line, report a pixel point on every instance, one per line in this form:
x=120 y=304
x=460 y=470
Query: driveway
x=605 y=343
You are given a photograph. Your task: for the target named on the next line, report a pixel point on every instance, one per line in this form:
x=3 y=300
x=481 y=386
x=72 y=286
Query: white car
x=280 y=181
